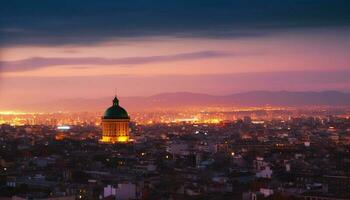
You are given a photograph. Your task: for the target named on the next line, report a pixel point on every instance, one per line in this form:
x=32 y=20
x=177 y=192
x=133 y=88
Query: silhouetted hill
x=187 y=99
x=285 y=98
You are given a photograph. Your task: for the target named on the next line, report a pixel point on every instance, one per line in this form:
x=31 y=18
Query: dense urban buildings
x=250 y=158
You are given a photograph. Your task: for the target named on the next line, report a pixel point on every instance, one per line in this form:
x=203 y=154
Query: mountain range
x=186 y=99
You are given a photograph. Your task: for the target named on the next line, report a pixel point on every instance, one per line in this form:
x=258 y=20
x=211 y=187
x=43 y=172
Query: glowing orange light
x=122 y=138
x=119 y=139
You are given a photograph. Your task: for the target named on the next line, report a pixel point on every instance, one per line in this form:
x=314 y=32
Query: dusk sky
x=89 y=49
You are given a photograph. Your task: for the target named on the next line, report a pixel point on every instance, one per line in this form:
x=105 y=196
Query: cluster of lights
x=10 y=112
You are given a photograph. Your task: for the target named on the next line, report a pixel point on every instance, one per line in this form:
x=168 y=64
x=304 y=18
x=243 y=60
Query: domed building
x=115 y=124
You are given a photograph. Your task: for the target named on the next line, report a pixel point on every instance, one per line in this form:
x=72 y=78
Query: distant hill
x=187 y=99
x=285 y=98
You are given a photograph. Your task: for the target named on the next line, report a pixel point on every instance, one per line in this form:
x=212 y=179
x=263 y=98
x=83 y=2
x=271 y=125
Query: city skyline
x=175 y=100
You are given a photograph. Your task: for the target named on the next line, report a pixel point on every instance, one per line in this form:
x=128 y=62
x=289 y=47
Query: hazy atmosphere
x=91 y=49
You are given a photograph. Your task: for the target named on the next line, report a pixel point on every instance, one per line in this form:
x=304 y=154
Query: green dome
x=115 y=111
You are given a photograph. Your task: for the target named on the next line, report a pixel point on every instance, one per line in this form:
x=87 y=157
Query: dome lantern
x=115 y=101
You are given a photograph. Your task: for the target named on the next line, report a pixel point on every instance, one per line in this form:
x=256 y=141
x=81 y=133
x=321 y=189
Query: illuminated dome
x=115 y=111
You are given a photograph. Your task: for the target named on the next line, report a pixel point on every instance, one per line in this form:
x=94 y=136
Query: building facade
x=115 y=124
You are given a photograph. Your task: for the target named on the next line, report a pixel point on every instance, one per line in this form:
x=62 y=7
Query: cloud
x=42 y=62
x=60 y=22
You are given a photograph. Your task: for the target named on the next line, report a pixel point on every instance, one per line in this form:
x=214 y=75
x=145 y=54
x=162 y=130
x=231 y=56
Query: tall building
x=115 y=124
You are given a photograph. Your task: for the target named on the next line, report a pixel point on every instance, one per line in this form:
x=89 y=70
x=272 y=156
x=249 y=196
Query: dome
x=115 y=111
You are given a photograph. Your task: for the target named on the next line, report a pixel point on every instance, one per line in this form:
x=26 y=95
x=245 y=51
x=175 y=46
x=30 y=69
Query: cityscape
x=265 y=153
x=175 y=100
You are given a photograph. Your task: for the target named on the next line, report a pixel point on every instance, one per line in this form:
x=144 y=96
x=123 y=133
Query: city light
x=63 y=127
x=123 y=139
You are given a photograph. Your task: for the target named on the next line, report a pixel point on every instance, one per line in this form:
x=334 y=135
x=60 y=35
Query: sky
x=63 y=49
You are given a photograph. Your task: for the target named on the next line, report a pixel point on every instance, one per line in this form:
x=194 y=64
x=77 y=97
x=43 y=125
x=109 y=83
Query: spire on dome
x=115 y=101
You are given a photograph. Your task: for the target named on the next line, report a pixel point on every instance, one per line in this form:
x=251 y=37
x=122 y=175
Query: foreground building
x=115 y=124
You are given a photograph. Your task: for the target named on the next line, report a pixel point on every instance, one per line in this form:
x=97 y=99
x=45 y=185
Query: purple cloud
x=43 y=62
